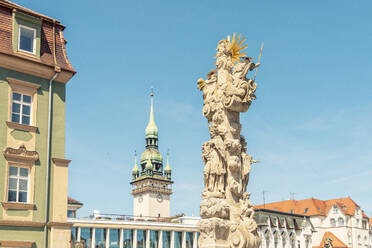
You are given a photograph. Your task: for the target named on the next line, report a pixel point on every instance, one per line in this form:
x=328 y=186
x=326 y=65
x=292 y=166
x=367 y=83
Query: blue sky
x=310 y=125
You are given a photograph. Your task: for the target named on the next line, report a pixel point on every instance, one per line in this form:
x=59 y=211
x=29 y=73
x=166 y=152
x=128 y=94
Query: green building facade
x=33 y=167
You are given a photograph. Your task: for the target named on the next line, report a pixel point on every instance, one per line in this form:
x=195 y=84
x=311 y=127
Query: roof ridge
x=27 y=10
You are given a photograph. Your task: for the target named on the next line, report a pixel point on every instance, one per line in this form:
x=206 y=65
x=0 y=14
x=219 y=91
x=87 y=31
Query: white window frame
x=19 y=177
x=21 y=108
x=19 y=39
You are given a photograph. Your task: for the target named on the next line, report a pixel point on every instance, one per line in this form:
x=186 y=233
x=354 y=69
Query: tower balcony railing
x=150 y=188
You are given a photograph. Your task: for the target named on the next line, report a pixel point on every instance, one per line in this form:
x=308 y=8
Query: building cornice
x=34 y=67
x=61 y=162
x=146 y=178
x=133 y=224
x=59 y=224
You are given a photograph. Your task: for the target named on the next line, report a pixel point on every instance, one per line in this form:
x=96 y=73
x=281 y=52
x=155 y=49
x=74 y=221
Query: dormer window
x=26 y=39
x=335 y=209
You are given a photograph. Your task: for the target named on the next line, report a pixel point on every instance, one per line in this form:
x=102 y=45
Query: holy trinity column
x=226 y=211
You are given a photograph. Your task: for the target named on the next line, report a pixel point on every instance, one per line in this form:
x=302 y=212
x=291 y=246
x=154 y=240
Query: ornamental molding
x=151 y=189
x=150 y=179
x=21 y=223
x=17 y=84
x=22 y=127
x=21 y=244
x=18 y=206
x=21 y=154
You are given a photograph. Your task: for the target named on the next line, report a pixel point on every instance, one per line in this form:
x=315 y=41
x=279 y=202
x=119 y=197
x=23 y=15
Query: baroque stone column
x=227 y=214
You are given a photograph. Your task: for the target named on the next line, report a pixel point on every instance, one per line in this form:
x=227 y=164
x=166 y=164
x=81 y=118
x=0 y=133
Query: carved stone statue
x=226 y=211
x=328 y=242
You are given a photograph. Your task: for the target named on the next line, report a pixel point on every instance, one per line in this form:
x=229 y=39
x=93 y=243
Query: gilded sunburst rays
x=236 y=46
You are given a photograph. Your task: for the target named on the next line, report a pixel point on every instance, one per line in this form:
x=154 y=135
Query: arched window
x=333 y=222
x=267 y=242
x=293 y=244
x=341 y=221
x=359 y=239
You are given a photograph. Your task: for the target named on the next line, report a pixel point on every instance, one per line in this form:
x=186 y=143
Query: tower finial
x=152 y=90
x=168 y=156
x=152 y=129
x=135 y=157
x=168 y=170
x=135 y=170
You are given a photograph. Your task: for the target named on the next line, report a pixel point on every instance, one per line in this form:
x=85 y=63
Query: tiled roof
x=73 y=201
x=312 y=206
x=48 y=36
x=25 y=10
x=336 y=242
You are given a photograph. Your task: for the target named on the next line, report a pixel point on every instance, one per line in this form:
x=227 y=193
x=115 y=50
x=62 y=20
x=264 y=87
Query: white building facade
x=342 y=219
x=284 y=230
x=277 y=230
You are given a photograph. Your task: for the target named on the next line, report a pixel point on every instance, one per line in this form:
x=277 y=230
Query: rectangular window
x=18 y=184
x=141 y=238
x=86 y=237
x=26 y=39
x=189 y=239
x=364 y=223
x=154 y=239
x=197 y=239
x=21 y=108
x=71 y=214
x=114 y=238
x=166 y=239
x=127 y=238
x=100 y=237
x=177 y=239
x=74 y=232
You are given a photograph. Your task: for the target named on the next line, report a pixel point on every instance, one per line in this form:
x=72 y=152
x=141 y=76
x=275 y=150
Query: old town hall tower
x=152 y=186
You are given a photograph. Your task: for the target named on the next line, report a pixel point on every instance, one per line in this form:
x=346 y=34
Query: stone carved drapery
x=226 y=211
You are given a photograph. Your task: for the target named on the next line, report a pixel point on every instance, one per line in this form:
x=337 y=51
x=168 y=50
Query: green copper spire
x=152 y=129
x=168 y=170
x=135 y=170
x=151 y=153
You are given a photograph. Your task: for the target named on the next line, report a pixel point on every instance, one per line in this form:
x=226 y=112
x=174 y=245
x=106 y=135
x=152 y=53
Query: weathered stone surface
x=227 y=214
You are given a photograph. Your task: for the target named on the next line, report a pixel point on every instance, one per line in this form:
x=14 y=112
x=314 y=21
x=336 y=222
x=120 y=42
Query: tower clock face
x=140 y=199
x=159 y=198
